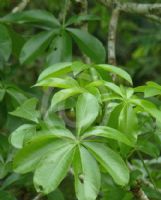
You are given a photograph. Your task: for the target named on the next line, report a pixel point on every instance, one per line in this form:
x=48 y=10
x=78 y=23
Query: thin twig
x=147 y=170
x=21 y=6
x=154 y=18
x=38 y=197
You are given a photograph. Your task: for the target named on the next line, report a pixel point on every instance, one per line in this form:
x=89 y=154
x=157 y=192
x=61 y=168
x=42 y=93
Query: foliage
x=68 y=129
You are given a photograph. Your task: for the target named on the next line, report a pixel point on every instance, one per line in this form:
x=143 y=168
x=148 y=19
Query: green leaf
x=27 y=110
x=2 y=93
x=90 y=45
x=150 y=92
x=95 y=91
x=58 y=132
x=21 y=134
x=51 y=119
x=55 y=70
x=128 y=122
x=150 y=89
x=148 y=148
x=87 y=109
x=109 y=97
x=116 y=70
x=56 y=195
x=107 y=132
x=17 y=42
x=60 y=49
x=111 y=161
x=148 y=107
x=78 y=67
x=86 y=167
x=16 y=94
x=6 y=196
x=116 y=89
x=35 y=46
x=32 y=16
x=67 y=82
x=28 y=158
x=52 y=169
x=5 y=43
x=64 y=94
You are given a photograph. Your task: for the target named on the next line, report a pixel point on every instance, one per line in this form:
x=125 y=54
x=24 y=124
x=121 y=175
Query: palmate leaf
x=90 y=45
x=107 y=132
x=5 y=43
x=150 y=89
x=57 y=132
x=21 y=134
x=128 y=122
x=85 y=165
x=87 y=109
x=60 y=49
x=111 y=162
x=61 y=69
x=53 y=168
x=32 y=16
x=35 y=46
x=115 y=70
x=64 y=94
x=56 y=70
x=16 y=94
x=113 y=87
x=148 y=107
x=27 y=110
x=2 y=93
x=27 y=159
x=67 y=82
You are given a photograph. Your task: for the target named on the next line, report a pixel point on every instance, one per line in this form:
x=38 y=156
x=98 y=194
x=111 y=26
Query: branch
x=112 y=37
x=84 y=26
x=21 y=6
x=154 y=18
x=139 y=8
x=139 y=193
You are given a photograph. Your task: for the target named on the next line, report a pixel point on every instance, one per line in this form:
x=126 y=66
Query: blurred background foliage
x=138 y=38
x=138 y=51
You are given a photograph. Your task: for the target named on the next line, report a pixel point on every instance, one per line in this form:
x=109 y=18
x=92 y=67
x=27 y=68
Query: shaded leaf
x=90 y=45
x=5 y=43
x=116 y=70
x=35 y=46
x=60 y=49
x=32 y=16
